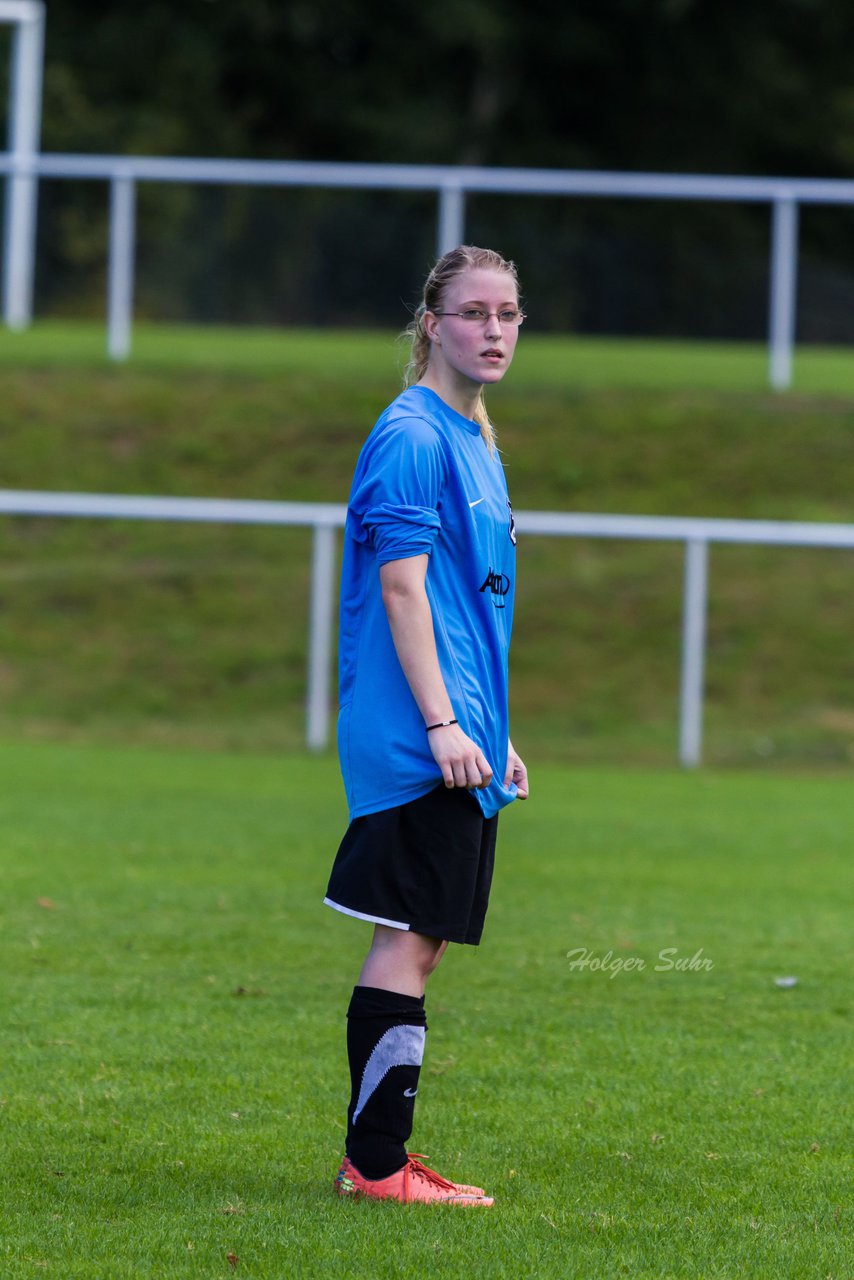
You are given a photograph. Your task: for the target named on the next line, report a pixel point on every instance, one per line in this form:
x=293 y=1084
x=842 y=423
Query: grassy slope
x=173 y=1076
x=198 y=635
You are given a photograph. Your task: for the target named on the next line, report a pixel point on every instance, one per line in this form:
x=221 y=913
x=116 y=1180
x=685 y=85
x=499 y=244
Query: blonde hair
x=465 y=257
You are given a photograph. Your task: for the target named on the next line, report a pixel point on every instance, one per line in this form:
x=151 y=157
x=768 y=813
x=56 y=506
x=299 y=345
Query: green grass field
x=173 y=1082
x=577 y=363
x=173 y=1079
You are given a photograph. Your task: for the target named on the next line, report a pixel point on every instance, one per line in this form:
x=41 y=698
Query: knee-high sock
x=385 y=1046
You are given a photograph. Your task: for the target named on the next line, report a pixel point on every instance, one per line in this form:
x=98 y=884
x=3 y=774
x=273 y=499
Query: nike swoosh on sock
x=401 y=1046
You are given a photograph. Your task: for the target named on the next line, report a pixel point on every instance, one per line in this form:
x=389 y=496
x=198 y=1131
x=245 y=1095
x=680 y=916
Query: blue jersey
x=425 y=482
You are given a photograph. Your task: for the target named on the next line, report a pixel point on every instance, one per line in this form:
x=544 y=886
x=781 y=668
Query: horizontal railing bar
x=678 y=528
x=579 y=182
x=204 y=510
x=548 y=523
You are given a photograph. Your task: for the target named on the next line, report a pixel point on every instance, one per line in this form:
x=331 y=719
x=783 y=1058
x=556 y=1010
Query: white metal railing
x=451 y=184
x=24 y=166
x=324 y=518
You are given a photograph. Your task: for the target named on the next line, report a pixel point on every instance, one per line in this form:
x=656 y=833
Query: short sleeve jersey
x=425 y=483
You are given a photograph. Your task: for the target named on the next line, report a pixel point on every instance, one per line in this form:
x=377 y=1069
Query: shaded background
x=664 y=85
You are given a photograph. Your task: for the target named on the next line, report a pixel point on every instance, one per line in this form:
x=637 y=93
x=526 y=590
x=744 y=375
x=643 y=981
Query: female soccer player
x=426 y=609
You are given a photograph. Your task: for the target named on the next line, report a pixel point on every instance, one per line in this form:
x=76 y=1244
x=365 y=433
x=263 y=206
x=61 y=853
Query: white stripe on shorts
x=362 y=915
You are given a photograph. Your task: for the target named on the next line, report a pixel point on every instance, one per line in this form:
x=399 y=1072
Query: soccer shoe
x=414 y=1182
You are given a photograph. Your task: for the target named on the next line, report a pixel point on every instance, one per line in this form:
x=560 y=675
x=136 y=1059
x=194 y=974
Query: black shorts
x=425 y=866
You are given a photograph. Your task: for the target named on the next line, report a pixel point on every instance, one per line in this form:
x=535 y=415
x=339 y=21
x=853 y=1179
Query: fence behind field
x=324 y=518
x=451 y=184
x=24 y=166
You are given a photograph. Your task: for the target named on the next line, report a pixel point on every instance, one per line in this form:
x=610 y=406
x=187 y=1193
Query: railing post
x=693 y=652
x=19 y=230
x=782 y=303
x=452 y=210
x=120 y=272
x=320 y=636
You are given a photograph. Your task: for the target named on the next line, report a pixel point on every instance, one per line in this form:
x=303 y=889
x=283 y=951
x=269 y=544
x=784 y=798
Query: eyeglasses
x=476 y=315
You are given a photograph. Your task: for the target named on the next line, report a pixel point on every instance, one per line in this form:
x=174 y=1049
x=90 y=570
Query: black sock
x=385 y=1045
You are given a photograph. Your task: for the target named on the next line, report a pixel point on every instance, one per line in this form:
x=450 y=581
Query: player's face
x=480 y=350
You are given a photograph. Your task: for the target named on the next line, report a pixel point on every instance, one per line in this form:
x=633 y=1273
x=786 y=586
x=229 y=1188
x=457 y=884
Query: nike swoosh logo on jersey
x=409 y=1093
x=476 y=501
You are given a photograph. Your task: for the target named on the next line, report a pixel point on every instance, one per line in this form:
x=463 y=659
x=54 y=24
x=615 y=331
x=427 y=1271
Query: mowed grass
x=574 y=362
x=173 y=1081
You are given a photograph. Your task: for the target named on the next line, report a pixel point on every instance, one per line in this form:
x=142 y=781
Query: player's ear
x=431 y=325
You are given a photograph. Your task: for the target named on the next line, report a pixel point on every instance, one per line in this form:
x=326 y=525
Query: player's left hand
x=516 y=772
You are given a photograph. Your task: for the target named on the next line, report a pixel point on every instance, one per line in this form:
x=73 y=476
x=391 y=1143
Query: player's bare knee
x=432 y=953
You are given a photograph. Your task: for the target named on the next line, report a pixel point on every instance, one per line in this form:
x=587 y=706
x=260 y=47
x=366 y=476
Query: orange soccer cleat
x=414 y=1182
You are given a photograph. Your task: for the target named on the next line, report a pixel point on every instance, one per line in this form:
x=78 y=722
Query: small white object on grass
x=785 y=982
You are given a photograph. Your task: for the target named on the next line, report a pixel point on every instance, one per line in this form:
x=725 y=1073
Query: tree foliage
x=625 y=84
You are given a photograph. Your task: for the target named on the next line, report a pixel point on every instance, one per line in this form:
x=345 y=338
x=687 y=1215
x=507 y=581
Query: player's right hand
x=461 y=761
